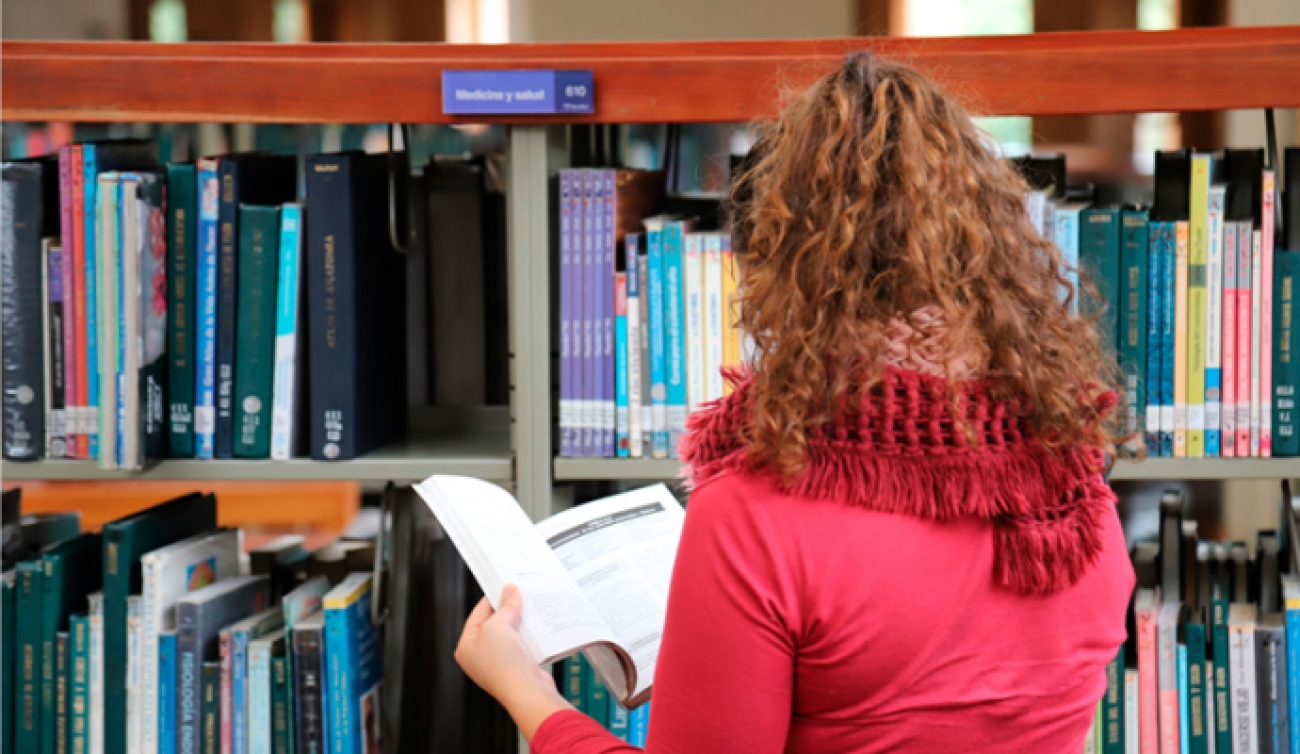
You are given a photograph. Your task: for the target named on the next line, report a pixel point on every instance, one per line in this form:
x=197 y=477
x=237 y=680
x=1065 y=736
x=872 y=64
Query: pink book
x=66 y=199
x=1146 y=607
x=1244 y=243
x=1266 y=321
x=75 y=319
x=1228 y=449
x=227 y=695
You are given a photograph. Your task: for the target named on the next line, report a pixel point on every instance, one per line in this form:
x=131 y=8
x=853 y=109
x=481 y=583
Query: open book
x=593 y=578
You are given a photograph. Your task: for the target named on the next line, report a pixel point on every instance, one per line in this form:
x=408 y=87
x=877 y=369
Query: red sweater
x=805 y=622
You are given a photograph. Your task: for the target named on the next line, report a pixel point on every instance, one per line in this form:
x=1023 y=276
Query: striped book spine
x=1155 y=336
x=1266 y=318
x=1214 y=321
x=1181 y=360
x=1229 y=410
x=1245 y=297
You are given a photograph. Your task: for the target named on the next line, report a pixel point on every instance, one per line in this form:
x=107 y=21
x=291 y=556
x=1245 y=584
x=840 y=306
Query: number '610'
x=575 y=90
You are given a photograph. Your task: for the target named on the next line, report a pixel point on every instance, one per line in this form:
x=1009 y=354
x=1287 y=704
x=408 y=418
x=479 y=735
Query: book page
x=498 y=542
x=620 y=551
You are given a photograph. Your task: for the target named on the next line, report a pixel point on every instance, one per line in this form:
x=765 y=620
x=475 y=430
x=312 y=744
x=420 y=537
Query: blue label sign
x=517 y=93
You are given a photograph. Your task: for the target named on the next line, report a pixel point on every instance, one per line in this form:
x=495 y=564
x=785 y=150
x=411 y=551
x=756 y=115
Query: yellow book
x=730 y=310
x=1197 y=304
x=1180 y=340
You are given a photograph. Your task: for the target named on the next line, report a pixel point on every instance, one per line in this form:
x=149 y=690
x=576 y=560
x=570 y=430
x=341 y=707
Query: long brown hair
x=872 y=195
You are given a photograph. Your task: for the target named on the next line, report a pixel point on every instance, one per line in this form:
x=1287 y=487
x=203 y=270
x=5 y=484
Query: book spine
x=189 y=681
x=1132 y=328
x=1244 y=717
x=1184 y=700
x=1067 y=241
x=210 y=713
x=1214 y=301
x=205 y=380
x=1229 y=410
x=1210 y=742
x=1181 y=339
x=595 y=695
x=1292 y=670
x=1148 y=675
x=1245 y=295
x=1256 y=342
x=281 y=703
x=621 y=413
x=284 y=419
x=1221 y=720
x=1169 y=319
x=238 y=693
x=1266 y=319
x=1268 y=692
x=69 y=227
x=227 y=296
x=166 y=701
x=647 y=410
x=1286 y=373
x=258 y=254
x=134 y=661
x=1155 y=325
x=1196 y=305
x=90 y=335
x=29 y=653
x=61 y=691
x=23 y=352
x=713 y=338
x=731 y=310
x=79 y=698
x=693 y=278
x=309 y=725
x=182 y=234
x=656 y=270
x=227 y=693
x=639 y=723
x=608 y=255
x=675 y=331
x=635 y=366
x=259 y=700
x=340 y=664
x=151 y=612
x=1198 y=736
x=56 y=424
x=587 y=382
x=1132 y=737
x=567 y=295
x=618 y=720
x=95 y=736
x=51 y=606
x=1113 y=707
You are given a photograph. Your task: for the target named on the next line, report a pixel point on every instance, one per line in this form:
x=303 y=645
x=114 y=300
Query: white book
x=1066 y=216
x=128 y=412
x=134 y=697
x=95 y=715
x=635 y=291
x=1132 y=732
x=647 y=408
x=713 y=340
x=1241 y=664
x=1256 y=328
x=260 y=722
x=289 y=330
x=1214 y=320
x=693 y=274
x=1034 y=208
x=576 y=572
x=168 y=574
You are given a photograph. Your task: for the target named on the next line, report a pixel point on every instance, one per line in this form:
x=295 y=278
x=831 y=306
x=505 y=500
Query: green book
x=61 y=693
x=71 y=571
x=182 y=224
x=258 y=268
x=1132 y=326
x=1222 y=725
x=8 y=642
x=1099 y=257
x=125 y=540
x=1286 y=368
x=28 y=632
x=79 y=685
x=280 y=705
x=574 y=681
x=1111 y=730
x=1198 y=731
x=596 y=696
x=210 y=709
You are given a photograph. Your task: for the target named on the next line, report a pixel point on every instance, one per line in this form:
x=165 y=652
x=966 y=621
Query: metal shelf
x=485 y=456
x=582 y=469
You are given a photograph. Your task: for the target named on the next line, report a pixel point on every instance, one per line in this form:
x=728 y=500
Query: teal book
x=1134 y=321
x=1221 y=725
x=596 y=696
x=281 y=704
x=79 y=685
x=1112 y=707
x=71 y=572
x=675 y=329
x=259 y=261
x=28 y=633
x=125 y=540
x=618 y=721
x=210 y=709
x=573 y=681
x=1286 y=368
x=1099 y=257
x=182 y=236
x=1184 y=699
x=8 y=642
x=1198 y=735
x=354 y=651
x=61 y=693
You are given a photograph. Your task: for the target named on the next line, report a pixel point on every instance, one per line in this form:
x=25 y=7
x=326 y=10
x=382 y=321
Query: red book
x=1146 y=607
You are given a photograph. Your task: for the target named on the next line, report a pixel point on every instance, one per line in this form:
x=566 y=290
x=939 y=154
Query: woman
x=899 y=538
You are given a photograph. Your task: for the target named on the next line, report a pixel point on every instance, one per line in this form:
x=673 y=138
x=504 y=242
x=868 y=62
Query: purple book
x=566 y=314
x=608 y=251
x=581 y=330
x=590 y=285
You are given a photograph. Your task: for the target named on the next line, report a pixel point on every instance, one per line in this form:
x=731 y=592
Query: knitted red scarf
x=902 y=453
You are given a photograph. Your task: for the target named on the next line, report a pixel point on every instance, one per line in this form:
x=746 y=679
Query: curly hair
x=874 y=194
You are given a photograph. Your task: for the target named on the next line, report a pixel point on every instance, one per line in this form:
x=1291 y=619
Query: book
x=1169 y=319
x=26 y=211
x=1290 y=584
x=1241 y=648
x=1214 y=299
x=288 y=395
x=1197 y=682
x=1197 y=307
x=1146 y=607
x=476 y=514
x=134 y=676
x=1184 y=693
x=281 y=704
x=675 y=329
x=258 y=254
x=96 y=713
x=639 y=725
x=618 y=721
x=1257 y=345
x=1067 y=217
x=1168 y=686
x=209 y=715
x=182 y=237
x=622 y=418
x=1245 y=323
x=70 y=194
x=356 y=308
x=200 y=616
x=283 y=560
x=575 y=677
x=1099 y=257
x=1268 y=224
x=588 y=397
x=1271 y=680
x=55 y=392
x=28 y=635
x=142 y=409
x=205 y=300
x=241 y=634
x=298 y=604
x=260 y=179
x=607 y=254
x=1155 y=336
x=125 y=541
x=79 y=685
x=730 y=310
x=656 y=269
x=1132 y=737
x=1182 y=342
x=596 y=697
x=262 y=722
x=636 y=367
x=61 y=649
x=310 y=724
x=569 y=286
x=354 y=661
x=1132 y=323
x=713 y=339
x=1286 y=348
x=164 y=703
x=70 y=571
x=1228 y=414
x=8 y=647
x=1221 y=720
x=647 y=410
x=693 y=301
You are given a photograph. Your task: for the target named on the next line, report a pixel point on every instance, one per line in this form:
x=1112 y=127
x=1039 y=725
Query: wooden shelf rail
x=1038 y=74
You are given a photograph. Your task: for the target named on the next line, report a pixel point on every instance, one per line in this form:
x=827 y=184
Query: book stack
x=166 y=312
x=148 y=638
x=583 y=689
x=647 y=316
x=1210 y=662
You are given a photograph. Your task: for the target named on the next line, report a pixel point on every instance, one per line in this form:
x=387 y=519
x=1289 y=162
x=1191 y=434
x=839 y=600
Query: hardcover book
x=182 y=237
x=1132 y=325
x=71 y=570
x=568 y=314
x=310 y=724
x=636 y=366
x=205 y=340
x=27 y=699
x=258 y=254
x=55 y=393
x=1286 y=371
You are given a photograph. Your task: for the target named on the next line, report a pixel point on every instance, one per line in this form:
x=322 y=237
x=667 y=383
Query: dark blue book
x=167 y=692
x=356 y=308
x=200 y=616
x=310 y=723
x=245 y=179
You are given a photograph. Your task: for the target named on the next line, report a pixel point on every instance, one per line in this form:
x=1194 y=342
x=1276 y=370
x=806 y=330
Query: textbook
x=568 y=560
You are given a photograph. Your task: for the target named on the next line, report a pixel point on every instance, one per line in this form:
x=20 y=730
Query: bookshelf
x=735 y=81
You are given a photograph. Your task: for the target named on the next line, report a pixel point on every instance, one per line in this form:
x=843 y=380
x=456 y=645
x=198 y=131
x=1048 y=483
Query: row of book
x=647 y=315
x=160 y=635
x=168 y=311
x=1197 y=294
x=583 y=689
x=1213 y=650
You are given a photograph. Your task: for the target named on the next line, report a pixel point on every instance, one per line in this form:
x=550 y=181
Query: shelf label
x=529 y=92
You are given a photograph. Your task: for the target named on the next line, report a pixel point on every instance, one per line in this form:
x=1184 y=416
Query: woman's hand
x=492 y=653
